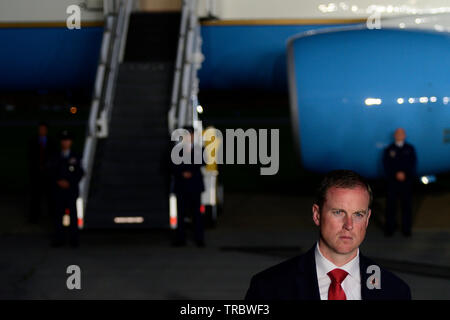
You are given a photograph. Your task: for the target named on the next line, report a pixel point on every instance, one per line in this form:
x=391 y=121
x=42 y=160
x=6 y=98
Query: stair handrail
x=183 y=108
x=116 y=14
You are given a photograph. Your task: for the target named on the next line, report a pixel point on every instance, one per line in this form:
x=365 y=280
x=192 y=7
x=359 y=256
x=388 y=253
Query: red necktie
x=335 y=291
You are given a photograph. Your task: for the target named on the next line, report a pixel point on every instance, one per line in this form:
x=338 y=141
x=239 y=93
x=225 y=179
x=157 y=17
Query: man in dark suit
x=399 y=162
x=65 y=174
x=333 y=269
x=188 y=186
x=40 y=148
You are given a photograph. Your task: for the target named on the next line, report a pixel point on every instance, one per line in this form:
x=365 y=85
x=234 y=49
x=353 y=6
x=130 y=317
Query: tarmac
x=255 y=232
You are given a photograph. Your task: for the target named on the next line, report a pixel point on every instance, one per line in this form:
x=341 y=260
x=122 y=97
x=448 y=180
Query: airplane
x=351 y=87
x=264 y=38
x=39 y=52
x=351 y=83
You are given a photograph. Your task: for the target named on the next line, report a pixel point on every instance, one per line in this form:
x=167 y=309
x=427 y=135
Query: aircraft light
x=372 y=101
x=428 y=179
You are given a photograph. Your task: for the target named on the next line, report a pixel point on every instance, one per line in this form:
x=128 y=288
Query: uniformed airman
x=65 y=174
x=400 y=163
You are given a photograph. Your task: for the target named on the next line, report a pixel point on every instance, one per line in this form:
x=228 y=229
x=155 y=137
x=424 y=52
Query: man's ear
x=316 y=214
x=368 y=217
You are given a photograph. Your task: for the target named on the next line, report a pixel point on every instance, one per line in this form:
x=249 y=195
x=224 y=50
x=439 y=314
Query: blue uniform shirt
x=397 y=159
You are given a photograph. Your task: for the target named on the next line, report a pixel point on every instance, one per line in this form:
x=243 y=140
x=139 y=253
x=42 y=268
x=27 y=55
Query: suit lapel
x=307 y=284
x=366 y=293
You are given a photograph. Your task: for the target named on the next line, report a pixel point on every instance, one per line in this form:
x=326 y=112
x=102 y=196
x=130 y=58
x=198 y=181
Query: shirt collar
x=65 y=153
x=324 y=265
x=400 y=144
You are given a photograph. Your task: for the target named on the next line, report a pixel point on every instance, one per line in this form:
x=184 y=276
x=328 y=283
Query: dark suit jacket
x=69 y=169
x=38 y=166
x=296 y=279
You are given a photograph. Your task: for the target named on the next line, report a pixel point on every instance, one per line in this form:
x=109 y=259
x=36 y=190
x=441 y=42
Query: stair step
x=154 y=121
x=157 y=120
x=133 y=191
x=101 y=220
x=122 y=144
x=148 y=68
x=152 y=175
x=140 y=159
x=138 y=132
x=145 y=74
x=133 y=180
x=145 y=91
x=105 y=190
x=137 y=147
x=152 y=178
x=132 y=110
x=131 y=151
x=157 y=100
x=117 y=204
x=112 y=183
x=105 y=194
x=149 y=157
x=120 y=204
x=130 y=166
x=116 y=195
x=142 y=170
x=145 y=78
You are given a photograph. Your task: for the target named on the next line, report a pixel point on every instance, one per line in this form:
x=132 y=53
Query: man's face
x=66 y=144
x=400 y=135
x=343 y=219
x=42 y=130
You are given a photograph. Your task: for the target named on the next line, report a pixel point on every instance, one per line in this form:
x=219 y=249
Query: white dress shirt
x=65 y=153
x=351 y=284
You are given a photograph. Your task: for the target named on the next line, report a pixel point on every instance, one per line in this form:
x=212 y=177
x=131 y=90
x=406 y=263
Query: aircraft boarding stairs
x=130 y=178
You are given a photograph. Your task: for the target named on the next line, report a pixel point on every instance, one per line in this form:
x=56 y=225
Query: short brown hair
x=341 y=179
